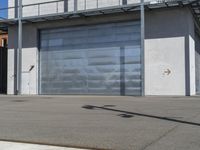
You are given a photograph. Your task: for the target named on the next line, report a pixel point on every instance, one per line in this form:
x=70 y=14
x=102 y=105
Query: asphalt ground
x=100 y=122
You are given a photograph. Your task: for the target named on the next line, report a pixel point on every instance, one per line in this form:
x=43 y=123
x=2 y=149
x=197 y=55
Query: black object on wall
x=3 y=70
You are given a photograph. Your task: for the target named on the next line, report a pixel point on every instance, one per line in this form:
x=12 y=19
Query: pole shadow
x=127 y=114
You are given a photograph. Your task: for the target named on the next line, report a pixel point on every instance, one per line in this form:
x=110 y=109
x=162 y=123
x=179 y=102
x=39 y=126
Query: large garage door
x=97 y=59
x=197 y=59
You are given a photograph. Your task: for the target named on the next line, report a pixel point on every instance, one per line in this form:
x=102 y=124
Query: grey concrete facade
x=169 y=46
x=169 y=50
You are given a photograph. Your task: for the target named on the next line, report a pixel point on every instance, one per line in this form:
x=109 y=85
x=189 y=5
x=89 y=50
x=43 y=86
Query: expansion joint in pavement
x=160 y=137
x=165 y=134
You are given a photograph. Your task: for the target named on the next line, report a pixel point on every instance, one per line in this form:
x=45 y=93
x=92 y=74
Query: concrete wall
x=169 y=52
x=29 y=59
x=169 y=42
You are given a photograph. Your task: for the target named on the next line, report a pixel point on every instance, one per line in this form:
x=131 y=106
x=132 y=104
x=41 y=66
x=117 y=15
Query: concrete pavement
x=118 y=123
x=22 y=146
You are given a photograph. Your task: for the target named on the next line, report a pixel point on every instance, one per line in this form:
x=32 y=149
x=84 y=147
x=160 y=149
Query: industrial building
x=103 y=47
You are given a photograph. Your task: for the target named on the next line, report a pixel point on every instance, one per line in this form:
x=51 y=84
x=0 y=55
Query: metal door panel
x=197 y=61
x=97 y=59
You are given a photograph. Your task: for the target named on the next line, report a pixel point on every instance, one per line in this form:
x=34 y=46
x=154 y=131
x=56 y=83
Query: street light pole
x=19 y=50
x=142 y=17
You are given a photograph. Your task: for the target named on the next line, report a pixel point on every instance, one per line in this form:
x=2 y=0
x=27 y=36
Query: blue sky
x=3 y=4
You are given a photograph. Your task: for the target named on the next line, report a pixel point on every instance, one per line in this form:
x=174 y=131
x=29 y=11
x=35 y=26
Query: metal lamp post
x=142 y=17
x=19 y=51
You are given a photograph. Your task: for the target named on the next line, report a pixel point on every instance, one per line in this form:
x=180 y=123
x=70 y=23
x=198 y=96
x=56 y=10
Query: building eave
x=193 y=4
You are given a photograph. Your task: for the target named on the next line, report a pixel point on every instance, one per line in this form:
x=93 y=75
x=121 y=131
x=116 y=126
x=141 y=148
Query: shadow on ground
x=127 y=114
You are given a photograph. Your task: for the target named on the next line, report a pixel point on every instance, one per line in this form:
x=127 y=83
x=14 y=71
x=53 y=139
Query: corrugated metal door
x=97 y=59
x=197 y=59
